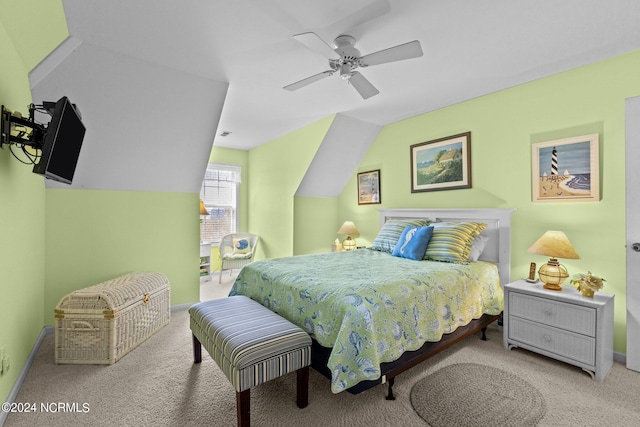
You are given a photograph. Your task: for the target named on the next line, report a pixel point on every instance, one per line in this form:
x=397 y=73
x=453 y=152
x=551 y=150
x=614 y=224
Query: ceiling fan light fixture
x=345 y=71
x=346 y=59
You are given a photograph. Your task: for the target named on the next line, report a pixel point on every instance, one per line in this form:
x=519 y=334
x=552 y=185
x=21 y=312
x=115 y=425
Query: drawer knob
x=547 y=337
x=547 y=311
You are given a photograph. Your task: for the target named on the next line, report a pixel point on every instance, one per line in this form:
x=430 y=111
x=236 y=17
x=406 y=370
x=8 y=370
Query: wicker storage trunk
x=102 y=323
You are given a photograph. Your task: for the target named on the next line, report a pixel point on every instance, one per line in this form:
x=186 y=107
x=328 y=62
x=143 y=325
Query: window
x=219 y=193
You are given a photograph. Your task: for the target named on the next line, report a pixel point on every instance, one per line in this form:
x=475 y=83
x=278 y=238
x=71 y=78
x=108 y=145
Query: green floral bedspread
x=370 y=306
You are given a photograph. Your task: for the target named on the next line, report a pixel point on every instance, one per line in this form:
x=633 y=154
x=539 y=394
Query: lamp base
x=552 y=274
x=348 y=244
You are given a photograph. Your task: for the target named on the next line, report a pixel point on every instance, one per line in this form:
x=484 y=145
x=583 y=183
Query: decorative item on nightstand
x=348 y=228
x=556 y=245
x=587 y=284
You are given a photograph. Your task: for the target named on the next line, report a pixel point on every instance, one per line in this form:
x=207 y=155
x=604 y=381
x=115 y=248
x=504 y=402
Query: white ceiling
x=471 y=48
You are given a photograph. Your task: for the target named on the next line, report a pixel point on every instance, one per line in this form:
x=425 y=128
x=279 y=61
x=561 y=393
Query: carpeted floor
x=158 y=385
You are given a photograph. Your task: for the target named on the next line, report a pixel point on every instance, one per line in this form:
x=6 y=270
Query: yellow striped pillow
x=452 y=241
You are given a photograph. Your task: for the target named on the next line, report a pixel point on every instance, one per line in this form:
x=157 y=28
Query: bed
x=373 y=315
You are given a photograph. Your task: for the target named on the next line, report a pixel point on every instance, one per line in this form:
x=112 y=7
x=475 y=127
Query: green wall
x=503 y=126
x=315 y=224
x=95 y=235
x=28 y=32
x=275 y=172
x=58 y=240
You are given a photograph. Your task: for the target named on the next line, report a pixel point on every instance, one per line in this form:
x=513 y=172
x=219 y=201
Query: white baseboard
x=620 y=357
x=47 y=330
x=25 y=370
x=182 y=306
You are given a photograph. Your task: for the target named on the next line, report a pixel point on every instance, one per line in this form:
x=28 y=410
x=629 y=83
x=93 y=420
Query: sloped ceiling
x=471 y=48
x=149 y=128
x=181 y=72
x=342 y=148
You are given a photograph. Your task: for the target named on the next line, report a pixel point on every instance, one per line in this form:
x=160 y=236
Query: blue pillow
x=413 y=242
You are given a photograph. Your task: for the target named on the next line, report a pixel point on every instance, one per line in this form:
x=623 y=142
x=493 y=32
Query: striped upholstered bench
x=252 y=345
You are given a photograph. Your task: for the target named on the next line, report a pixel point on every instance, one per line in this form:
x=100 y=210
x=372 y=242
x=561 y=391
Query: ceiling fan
x=345 y=58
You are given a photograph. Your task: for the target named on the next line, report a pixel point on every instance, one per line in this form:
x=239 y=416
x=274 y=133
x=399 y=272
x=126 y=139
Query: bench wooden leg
x=302 y=387
x=197 y=350
x=243 y=401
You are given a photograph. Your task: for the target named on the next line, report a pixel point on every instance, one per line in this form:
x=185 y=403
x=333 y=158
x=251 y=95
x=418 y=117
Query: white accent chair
x=236 y=251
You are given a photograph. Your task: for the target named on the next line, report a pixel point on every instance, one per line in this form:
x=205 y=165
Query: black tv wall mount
x=15 y=129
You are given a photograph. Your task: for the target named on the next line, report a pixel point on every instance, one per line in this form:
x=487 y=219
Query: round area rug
x=468 y=394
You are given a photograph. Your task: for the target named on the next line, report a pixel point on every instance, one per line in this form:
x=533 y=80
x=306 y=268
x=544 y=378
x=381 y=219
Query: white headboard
x=498 y=220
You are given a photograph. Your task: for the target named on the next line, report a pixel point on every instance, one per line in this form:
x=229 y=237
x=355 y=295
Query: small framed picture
x=441 y=164
x=566 y=170
x=369 y=187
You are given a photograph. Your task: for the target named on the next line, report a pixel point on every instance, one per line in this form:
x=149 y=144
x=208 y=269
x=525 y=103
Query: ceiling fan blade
x=304 y=82
x=363 y=86
x=396 y=53
x=316 y=44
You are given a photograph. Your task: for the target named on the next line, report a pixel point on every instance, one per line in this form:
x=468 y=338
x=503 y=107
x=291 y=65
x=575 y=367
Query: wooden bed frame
x=497 y=251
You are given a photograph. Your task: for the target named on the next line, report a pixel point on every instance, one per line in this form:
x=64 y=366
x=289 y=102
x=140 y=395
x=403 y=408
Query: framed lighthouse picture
x=566 y=170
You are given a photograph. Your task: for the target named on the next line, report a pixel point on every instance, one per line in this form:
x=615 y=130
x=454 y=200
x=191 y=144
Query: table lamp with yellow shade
x=348 y=228
x=556 y=245
x=203 y=209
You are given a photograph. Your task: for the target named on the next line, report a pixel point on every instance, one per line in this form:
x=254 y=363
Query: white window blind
x=219 y=193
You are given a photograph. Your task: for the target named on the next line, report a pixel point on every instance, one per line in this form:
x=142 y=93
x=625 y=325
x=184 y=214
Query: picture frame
x=369 y=187
x=441 y=164
x=566 y=170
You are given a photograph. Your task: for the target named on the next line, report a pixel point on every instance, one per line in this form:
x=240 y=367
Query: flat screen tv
x=61 y=143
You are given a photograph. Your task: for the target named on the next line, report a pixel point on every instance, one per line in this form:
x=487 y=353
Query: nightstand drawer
x=557 y=341
x=574 y=318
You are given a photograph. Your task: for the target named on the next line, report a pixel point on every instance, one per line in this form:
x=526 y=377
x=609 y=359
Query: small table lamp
x=203 y=210
x=556 y=245
x=348 y=228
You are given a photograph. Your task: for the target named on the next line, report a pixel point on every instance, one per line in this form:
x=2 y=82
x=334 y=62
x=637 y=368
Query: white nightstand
x=563 y=325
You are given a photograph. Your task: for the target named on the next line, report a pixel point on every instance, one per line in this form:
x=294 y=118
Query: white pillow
x=477 y=247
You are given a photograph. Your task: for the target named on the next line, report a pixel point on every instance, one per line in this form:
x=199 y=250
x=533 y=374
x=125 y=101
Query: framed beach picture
x=369 y=187
x=566 y=170
x=441 y=164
